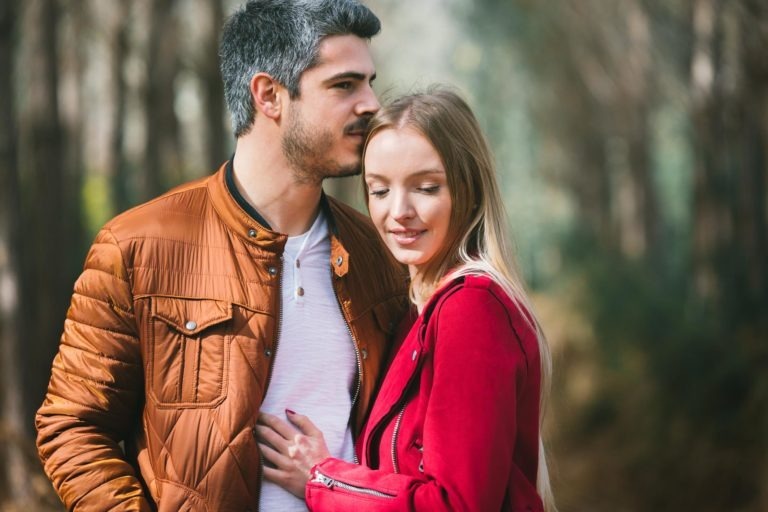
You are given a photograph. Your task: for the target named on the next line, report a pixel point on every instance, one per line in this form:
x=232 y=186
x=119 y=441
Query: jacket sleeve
x=93 y=397
x=469 y=427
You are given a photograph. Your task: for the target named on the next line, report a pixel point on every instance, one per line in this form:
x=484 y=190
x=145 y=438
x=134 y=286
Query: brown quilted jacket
x=167 y=348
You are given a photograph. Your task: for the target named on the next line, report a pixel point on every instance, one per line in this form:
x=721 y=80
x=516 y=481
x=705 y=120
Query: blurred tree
x=729 y=84
x=162 y=146
x=72 y=39
x=117 y=164
x=213 y=88
x=44 y=213
x=676 y=321
x=14 y=484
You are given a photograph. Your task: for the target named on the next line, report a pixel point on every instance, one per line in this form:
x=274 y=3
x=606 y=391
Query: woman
x=456 y=424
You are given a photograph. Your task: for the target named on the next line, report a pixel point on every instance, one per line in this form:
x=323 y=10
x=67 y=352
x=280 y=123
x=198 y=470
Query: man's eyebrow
x=353 y=75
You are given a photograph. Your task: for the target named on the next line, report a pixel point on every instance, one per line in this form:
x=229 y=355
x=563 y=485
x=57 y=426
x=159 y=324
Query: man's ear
x=265 y=92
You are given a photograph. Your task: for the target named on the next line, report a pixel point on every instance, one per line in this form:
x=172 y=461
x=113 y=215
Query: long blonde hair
x=478 y=242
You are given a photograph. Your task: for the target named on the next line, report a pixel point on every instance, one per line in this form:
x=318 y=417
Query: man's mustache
x=358 y=127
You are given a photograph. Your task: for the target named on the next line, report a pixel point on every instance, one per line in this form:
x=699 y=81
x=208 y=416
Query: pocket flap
x=191 y=316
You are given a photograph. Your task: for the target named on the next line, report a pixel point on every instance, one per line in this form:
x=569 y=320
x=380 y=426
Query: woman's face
x=408 y=195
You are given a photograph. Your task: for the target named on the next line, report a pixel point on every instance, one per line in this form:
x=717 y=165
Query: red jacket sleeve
x=93 y=396
x=470 y=422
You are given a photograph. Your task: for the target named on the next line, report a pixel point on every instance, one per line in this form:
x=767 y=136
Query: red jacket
x=455 y=425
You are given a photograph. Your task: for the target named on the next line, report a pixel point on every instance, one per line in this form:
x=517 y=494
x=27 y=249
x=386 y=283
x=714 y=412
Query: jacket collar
x=243 y=218
x=239 y=220
x=229 y=179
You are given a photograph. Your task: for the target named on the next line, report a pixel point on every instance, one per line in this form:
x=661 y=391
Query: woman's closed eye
x=378 y=192
x=429 y=189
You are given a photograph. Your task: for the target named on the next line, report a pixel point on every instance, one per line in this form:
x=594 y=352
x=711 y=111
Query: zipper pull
x=322 y=479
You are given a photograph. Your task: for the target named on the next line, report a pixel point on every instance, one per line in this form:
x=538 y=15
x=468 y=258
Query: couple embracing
x=245 y=342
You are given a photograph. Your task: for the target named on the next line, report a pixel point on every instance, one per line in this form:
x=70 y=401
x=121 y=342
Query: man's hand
x=292 y=450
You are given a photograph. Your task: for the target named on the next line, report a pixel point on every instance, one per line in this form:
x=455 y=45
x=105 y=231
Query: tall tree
x=213 y=88
x=729 y=79
x=117 y=165
x=163 y=162
x=73 y=38
x=47 y=280
x=14 y=483
x=711 y=218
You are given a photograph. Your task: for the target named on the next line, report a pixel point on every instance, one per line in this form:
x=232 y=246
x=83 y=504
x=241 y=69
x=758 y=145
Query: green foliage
x=681 y=404
x=97 y=206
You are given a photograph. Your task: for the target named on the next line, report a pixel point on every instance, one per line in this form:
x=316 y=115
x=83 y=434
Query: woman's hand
x=292 y=450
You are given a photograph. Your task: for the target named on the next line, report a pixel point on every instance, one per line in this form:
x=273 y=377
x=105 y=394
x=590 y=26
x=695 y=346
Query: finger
x=304 y=424
x=268 y=436
x=278 y=425
x=273 y=475
x=277 y=459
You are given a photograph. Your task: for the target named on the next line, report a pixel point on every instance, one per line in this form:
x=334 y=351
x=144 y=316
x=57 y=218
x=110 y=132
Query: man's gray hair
x=281 y=38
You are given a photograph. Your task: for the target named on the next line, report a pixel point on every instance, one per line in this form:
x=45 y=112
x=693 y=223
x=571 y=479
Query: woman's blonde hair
x=479 y=242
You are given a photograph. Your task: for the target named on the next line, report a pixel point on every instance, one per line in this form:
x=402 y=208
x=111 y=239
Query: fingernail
x=290 y=411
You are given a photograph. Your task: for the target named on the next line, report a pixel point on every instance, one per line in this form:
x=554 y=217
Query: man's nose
x=369 y=103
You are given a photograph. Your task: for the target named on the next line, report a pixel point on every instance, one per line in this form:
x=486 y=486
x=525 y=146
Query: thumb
x=303 y=423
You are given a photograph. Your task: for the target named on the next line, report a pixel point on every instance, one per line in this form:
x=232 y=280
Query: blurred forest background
x=632 y=143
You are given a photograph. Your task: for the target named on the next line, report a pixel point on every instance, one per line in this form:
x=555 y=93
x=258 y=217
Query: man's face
x=326 y=125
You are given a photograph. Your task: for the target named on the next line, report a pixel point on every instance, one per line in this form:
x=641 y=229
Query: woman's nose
x=402 y=209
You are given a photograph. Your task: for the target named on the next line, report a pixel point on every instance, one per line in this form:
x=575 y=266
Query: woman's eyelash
x=426 y=189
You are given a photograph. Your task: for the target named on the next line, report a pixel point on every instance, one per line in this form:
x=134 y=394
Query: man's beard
x=307 y=153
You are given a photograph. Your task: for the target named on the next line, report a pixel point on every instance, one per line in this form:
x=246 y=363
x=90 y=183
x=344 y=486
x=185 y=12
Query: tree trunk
x=162 y=143
x=116 y=161
x=213 y=101
x=14 y=483
x=753 y=216
x=710 y=222
x=76 y=21
x=635 y=96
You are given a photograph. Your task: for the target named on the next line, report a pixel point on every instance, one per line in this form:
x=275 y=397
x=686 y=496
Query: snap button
x=272 y=271
x=364 y=353
x=191 y=325
x=252 y=233
x=254 y=431
x=298 y=264
x=339 y=261
x=268 y=352
x=300 y=291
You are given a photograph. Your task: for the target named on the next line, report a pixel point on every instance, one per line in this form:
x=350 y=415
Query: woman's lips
x=406 y=236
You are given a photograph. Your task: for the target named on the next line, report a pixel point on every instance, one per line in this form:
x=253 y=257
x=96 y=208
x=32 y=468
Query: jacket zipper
x=357 y=354
x=394 y=438
x=384 y=420
x=277 y=327
x=330 y=483
x=272 y=359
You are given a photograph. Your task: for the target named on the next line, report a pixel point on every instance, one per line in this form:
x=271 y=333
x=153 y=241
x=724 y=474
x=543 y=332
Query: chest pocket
x=189 y=351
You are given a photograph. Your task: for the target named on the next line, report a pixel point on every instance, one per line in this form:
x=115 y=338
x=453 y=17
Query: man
x=242 y=291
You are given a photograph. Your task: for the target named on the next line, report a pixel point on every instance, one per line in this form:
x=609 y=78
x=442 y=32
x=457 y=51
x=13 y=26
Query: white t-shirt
x=315 y=367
